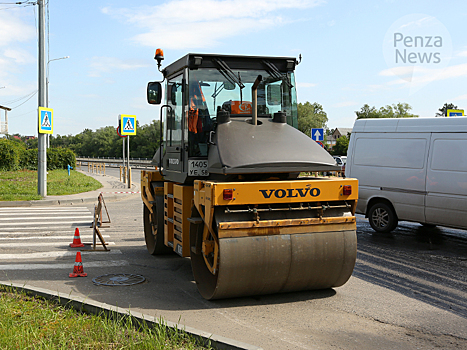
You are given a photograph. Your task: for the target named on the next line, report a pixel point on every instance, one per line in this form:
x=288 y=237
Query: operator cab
x=199 y=86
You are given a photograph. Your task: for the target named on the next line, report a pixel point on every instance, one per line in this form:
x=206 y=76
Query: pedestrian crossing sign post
x=127 y=127
x=128 y=124
x=46 y=118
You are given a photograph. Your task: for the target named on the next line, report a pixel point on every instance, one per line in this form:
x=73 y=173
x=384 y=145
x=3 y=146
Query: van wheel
x=382 y=218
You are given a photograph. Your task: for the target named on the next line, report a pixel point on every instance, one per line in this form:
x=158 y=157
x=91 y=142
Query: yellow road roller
x=230 y=189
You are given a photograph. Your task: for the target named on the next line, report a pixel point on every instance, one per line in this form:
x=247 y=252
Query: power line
x=20 y=98
x=26 y=100
x=20 y=115
x=15 y=7
x=19 y=3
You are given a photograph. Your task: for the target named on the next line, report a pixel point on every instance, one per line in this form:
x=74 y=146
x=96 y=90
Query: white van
x=411 y=169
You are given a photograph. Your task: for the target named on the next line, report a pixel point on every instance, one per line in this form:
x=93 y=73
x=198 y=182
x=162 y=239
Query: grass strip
x=29 y=322
x=22 y=185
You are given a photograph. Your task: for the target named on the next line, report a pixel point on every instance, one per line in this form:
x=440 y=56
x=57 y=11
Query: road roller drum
x=278 y=263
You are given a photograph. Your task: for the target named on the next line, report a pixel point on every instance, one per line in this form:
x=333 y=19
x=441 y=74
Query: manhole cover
x=118 y=279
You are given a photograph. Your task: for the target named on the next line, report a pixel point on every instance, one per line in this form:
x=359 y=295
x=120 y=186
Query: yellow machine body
x=260 y=237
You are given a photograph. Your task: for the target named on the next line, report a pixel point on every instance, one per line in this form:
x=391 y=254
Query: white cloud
x=462 y=54
x=13 y=29
x=13 y=33
x=20 y=56
x=414 y=75
x=188 y=24
x=101 y=65
x=4 y=64
x=424 y=21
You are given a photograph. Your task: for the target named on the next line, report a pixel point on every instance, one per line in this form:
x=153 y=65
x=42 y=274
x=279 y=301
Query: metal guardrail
x=116 y=162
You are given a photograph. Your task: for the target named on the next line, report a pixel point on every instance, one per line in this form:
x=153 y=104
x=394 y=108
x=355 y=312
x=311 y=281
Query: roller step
x=196 y=221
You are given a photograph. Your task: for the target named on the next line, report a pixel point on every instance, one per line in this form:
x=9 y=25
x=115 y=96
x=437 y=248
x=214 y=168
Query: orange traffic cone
x=76 y=240
x=78 y=268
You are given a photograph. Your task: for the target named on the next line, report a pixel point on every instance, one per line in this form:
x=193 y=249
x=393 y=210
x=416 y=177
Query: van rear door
x=446 y=186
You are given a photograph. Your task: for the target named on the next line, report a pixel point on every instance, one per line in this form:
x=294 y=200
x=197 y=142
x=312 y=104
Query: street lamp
x=47 y=90
x=47 y=79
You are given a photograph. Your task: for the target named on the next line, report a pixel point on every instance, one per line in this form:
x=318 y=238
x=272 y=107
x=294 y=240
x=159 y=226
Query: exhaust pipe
x=254 y=100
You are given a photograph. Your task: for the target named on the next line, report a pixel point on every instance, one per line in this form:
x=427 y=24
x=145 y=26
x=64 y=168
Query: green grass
x=32 y=323
x=22 y=185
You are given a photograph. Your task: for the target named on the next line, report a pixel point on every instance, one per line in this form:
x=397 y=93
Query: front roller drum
x=277 y=263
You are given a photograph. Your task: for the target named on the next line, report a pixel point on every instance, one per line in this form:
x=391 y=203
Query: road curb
x=56 y=202
x=79 y=198
x=97 y=308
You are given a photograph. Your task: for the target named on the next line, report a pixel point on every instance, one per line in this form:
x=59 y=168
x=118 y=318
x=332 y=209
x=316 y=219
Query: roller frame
x=269 y=252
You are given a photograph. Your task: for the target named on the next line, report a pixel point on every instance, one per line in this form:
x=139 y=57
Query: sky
x=375 y=52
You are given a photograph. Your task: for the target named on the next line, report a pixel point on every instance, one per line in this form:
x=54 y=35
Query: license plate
x=198 y=168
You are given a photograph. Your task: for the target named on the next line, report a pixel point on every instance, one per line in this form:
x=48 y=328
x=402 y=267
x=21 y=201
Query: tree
x=146 y=141
x=397 y=110
x=443 y=111
x=105 y=142
x=311 y=116
x=367 y=112
x=401 y=110
x=341 y=146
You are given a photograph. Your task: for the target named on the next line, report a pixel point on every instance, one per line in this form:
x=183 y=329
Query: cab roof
x=200 y=60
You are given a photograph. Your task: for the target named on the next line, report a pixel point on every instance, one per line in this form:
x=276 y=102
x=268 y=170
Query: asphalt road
x=408 y=289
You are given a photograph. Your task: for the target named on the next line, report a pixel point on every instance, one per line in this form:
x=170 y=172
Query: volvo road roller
x=230 y=188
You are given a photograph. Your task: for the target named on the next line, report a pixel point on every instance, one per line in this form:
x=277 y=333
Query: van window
x=449 y=155
x=394 y=152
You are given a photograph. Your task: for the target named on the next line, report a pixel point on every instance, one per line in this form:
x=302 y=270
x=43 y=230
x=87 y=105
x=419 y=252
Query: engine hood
x=270 y=147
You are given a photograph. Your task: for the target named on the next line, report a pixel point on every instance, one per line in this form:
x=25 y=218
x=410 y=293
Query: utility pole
x=42 y=156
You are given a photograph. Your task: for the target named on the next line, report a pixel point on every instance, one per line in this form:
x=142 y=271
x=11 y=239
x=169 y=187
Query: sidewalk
x=112 y=189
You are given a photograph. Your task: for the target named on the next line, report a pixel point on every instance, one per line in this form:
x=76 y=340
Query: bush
x=60 y=158
x=29 y=159
x=15 y=156
x=10 y=154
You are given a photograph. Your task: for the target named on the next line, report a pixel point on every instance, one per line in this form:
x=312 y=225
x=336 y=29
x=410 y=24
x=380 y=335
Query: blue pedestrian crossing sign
x=46 y=120
x=317 y=134
x=455 y=113
x=128 y=124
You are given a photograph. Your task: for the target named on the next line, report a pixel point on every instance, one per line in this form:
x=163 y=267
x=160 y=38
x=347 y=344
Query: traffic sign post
x=127 y=127
x=46 y=118
x=317 y=134
x=123 y=148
